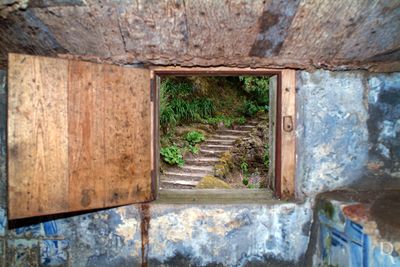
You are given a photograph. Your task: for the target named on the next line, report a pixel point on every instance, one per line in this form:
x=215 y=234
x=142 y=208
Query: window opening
x=214 y=132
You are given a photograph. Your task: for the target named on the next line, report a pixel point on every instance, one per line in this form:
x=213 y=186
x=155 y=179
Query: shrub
x=257 y=87
x=177 y=107
x=226 y=120
x=172 y=155
x=176 y=88
x=245 y=168
x=241 y=120
x=194 y=149
x=250 y=108
x=194 y=137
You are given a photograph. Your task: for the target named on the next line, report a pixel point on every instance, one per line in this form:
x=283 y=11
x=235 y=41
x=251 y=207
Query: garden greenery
x=172 y=155
x=195 y=100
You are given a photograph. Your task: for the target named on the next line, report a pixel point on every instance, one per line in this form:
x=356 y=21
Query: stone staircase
x=202 y=164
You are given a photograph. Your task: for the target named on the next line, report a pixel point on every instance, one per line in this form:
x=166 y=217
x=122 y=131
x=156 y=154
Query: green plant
x=179 y=104
x=226 y=120
x=245 y=168
x=176 y=88
x=257 y=88
x=193 y=149
x=266 y=156
x=172 y=155
x=241 y=120
x=245 y=181
x=194 y=137
x=250 y=108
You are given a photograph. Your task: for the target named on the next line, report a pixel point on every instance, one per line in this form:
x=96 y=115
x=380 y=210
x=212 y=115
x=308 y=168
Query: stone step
x=208 y=152
x=253 y=123
x=245 y=127
x=208 y=169
x=220 y=141
x=235 y=132
x=217 y=146
x=203 y=161
x=180 y=182
x=183 y=175
x=225 y=136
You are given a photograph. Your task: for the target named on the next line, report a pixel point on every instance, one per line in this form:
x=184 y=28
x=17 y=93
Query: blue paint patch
x=354 y=231
x=54 y=252
x=382 y=259
x=356 y=254
x=34 y=230
x=50 y=228
x=3 y=222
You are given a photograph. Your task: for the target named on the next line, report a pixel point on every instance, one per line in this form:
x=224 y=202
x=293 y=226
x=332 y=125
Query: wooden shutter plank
x=37 y=135
x=128 y=135
x=79 y=136
x=86 y=135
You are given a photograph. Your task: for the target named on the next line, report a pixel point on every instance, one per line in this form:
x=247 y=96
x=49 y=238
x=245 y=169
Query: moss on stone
x=328 y=209
x=224 y=166
x=211 y=182
x=219 y=170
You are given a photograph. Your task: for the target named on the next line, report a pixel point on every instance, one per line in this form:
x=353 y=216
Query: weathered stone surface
x=338 y=138
x=348 y=131
x=9 y=6
x=258 y=33
x=25 y=33
x=332 y=146
x=384 y=123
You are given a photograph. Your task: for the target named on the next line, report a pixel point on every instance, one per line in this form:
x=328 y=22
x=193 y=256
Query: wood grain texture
x=79 y=136
x=288 y=138
x=109 y=133
x=86 y=135
x=37 y=136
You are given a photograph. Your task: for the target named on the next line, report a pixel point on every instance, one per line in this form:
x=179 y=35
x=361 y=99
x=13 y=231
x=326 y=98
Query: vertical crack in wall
x=144 y=232
x=120 y=29
x=187 y=34
x=273 y=28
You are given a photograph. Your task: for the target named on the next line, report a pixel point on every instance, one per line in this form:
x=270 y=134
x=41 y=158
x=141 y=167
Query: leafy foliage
x=266 y=156
x=178 y=89
x=228 y=121
x=258 y=92
x=194 y=149
x=172 y=155
x=257 y=87
x=246 y=173
x=250 y=108
x=245 y=168
x=178 y=105
x=194 y=137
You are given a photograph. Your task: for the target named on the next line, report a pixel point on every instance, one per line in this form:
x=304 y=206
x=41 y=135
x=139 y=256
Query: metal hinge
x=152 y=90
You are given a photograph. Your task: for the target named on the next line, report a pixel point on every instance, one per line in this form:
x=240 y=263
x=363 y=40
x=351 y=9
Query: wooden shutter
x=79 y=136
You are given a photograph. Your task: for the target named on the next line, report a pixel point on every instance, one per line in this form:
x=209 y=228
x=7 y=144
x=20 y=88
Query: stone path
x=202 y=164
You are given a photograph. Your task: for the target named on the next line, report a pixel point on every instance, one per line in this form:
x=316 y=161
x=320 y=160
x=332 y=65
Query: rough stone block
x=54 y=252
x=20 y=252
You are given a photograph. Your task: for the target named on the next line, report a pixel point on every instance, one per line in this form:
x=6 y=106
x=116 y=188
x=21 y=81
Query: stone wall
x=384 y=124
x=332 y=146
x=335 y=148
x=309 y=34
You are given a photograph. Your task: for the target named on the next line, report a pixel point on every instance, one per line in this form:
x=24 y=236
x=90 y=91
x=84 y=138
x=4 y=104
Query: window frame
x=285 y=166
